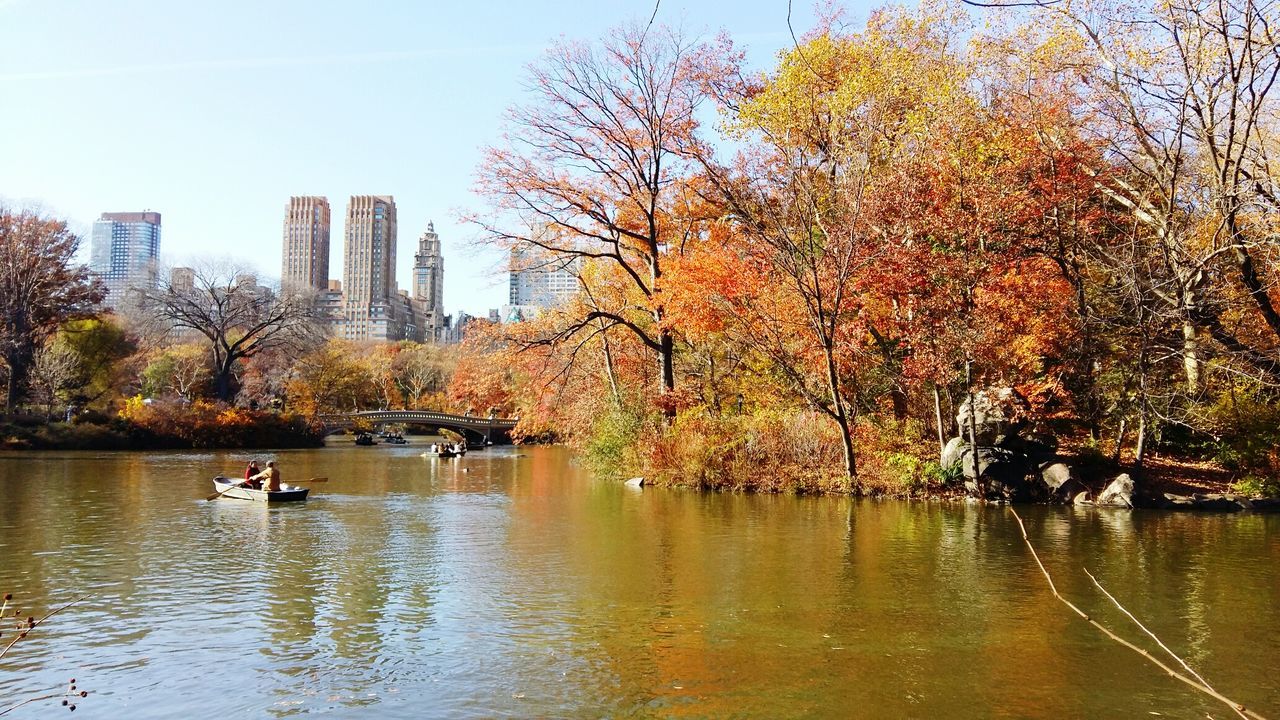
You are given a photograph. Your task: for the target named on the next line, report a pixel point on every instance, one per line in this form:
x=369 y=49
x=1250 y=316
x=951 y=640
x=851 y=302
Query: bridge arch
x=493 y=430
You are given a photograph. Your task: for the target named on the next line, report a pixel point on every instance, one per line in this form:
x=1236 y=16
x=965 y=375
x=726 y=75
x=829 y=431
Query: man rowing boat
x=270 y=477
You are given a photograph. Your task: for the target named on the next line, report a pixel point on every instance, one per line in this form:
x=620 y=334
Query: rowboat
x=290 y=494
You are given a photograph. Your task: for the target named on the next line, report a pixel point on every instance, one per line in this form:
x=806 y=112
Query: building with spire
x=428 y=284
x=305 y=261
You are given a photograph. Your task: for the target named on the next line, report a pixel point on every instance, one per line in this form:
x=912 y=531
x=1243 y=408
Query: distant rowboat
x=228 y=488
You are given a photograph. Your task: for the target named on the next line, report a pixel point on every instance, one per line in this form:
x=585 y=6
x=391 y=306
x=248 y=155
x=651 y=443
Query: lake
x=511 y=583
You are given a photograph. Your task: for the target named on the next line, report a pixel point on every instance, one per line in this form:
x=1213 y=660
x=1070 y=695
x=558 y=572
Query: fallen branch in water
x=1144 y=629
x=1196 y=683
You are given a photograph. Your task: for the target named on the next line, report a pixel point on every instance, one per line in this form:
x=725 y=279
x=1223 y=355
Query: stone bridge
x=485 y=430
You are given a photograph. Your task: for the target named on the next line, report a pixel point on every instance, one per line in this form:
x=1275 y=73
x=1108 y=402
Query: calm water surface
x=509 y=583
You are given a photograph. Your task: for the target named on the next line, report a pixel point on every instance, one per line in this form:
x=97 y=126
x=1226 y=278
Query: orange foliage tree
x=592 y=172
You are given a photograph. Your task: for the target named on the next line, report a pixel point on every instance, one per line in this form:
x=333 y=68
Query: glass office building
x=124 y=250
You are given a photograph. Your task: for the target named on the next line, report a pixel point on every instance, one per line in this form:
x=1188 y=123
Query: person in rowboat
x=249 y=472
x=270 y=477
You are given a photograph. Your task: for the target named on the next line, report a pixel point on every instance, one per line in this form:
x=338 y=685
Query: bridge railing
x=421 y=416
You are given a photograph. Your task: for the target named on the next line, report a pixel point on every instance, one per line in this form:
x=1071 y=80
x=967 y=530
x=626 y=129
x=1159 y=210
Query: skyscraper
x=306 y=244
x=368 y=269
x=428 y=287
x=123 y=252
x=428 y=271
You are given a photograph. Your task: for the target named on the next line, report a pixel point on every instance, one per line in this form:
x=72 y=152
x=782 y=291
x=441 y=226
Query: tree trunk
x=842 y=418
x=224 y=379
x=937 y=414
x=1191 y=356
x=19 y=362
x=608 y=365
x=846 y=439
x=973 y=429
x=1141 y=450
x=667 y=367
x=899 y=400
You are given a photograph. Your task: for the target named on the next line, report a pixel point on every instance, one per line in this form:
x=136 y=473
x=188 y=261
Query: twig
x=1202 y=687
x=28 y=701
x=796 y=43
x=651 y=19
x=1031 y=3
x=1144 y=629
x=35 y=624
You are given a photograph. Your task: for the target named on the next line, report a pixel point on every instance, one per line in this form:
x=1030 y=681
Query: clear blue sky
x=214 y=113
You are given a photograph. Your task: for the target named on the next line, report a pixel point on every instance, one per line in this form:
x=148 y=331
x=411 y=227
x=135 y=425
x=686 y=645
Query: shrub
x=203 y=424
x=1247 y=425
x=1255 y=486
x=614 y=436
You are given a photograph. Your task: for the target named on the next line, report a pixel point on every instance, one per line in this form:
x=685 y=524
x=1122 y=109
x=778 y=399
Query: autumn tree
x=590 y=170
x=1181 y=97
x=332 y=378
x=825 y=132
x=54 y=371
x=483 y=378
x=237 y=317
x=421 y=372
x=102 y=347
x=182 y=370
x=40 y=288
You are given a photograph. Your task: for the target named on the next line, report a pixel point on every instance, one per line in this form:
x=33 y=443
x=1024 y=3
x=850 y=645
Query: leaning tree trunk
x=841 y=417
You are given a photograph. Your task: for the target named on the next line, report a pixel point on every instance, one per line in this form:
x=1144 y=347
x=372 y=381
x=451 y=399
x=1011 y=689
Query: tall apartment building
x=123 y=252
x=428 y=284
x=305 y=262
x=368 y=270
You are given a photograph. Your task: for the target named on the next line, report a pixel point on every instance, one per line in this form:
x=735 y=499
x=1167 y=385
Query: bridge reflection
x=494 y=430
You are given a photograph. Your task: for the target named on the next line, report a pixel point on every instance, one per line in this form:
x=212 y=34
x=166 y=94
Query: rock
x=1119 y=493
x=1068 y=490
x=1081 y=498
x=1004 y=473
x=1215 y=501
x=1035 y=449
x=952 y=452
x=1059 y=482
x=635 y=482
x=1055 y=475
x=994 y=412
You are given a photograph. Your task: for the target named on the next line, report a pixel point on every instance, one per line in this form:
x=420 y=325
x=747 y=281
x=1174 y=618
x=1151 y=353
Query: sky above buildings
x=214 y=114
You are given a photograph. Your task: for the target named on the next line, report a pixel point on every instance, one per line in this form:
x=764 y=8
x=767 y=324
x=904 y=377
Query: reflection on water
x=510 y=584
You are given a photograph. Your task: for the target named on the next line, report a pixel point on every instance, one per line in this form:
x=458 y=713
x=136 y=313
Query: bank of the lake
x=512 y=583
x=198 y=428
